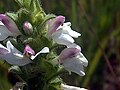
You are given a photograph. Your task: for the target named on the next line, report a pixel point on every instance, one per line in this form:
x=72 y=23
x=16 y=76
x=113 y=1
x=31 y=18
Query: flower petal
x=16 y=59
x=28 y=50
x=68 y=53
x=44 y=50
x=53 y=24
x=4 y=32
x=74 y=33
x=13 y=56
x=66 y=27
x=11 y=48
x=67 y=87
x=80 y=56
x=3 y=50
x=61 y=38
x=10 y=24
x=74 y=46
x=74 y=65
x=83 y=59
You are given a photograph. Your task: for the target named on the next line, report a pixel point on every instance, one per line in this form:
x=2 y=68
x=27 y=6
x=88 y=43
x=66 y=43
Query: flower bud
x=27 y=27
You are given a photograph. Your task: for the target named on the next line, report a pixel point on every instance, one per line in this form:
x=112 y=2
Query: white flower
x=64 y=34
x=62 y=38
x=73 y=45
x=15 y=57
x=61 y=32
x=73 y=60
x=67 y=87
x=66 y=27
x=7 y=27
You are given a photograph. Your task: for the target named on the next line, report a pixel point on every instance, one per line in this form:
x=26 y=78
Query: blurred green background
x=99 y=23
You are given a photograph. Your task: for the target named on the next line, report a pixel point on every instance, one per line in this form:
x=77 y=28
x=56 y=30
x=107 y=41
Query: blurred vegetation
x=99 y=23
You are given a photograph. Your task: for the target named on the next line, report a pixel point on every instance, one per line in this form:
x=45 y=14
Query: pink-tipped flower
x=7 y=27
x=30 y=53
x=61 y=32
x=73 y=60
x=15 y=57
x=27 y=27
x=53 y=24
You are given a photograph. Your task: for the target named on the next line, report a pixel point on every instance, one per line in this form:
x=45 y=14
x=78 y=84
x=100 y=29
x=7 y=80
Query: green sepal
x=55 y=84
x=37 y=12
x=13 y=16
x=27 y=3
x=35 y=6
x=38 y=42
x=47 y=17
